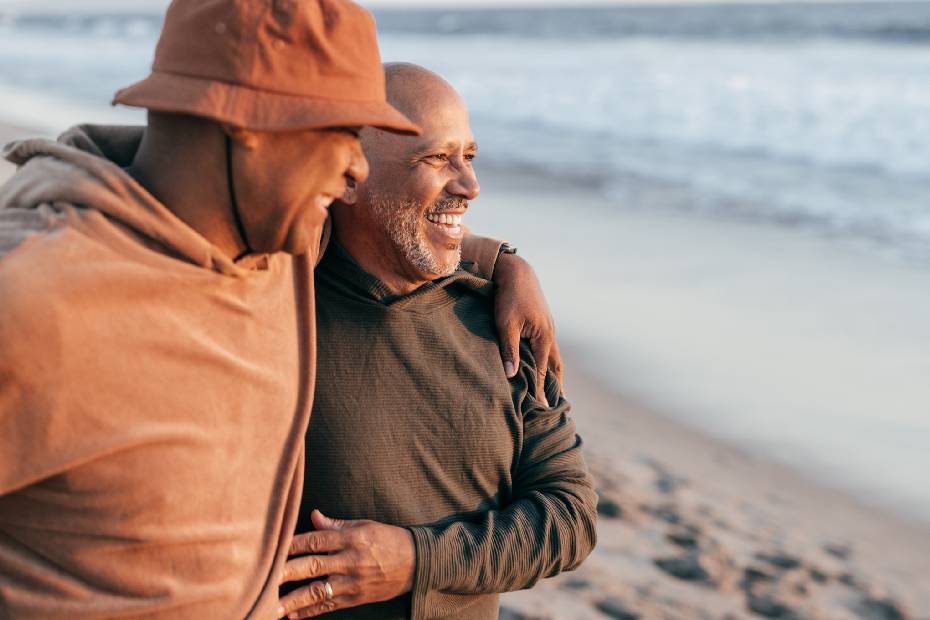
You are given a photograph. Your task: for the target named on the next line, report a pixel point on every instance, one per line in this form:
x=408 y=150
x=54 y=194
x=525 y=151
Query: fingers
x=323 y=541
x=310 y=566
x=313 y=599
x=555 y=365
x=541 y=348
x=322 y=522
x=510 y=348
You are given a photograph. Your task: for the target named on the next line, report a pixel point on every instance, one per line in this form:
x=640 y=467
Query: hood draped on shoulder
x=85 y=169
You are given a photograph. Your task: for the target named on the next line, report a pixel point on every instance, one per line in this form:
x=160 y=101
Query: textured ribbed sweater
x=415 y=424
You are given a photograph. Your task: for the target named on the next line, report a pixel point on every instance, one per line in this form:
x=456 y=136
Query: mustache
x=449 y=204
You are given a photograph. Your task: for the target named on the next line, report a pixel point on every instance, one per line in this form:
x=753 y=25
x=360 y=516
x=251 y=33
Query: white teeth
x=444 y=218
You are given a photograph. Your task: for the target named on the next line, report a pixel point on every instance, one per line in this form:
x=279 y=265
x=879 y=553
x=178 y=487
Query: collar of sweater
x=352 y=278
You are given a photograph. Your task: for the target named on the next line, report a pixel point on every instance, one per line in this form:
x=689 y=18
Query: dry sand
x=693 y=528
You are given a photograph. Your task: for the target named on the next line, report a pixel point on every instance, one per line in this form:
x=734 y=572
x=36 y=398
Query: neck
x=182 y=163
x=373 y=249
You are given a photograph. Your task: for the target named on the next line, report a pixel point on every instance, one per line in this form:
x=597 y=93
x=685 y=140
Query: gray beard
x=402 y=219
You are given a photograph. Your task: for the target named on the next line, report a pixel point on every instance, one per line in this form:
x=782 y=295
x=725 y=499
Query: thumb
x=322 y=522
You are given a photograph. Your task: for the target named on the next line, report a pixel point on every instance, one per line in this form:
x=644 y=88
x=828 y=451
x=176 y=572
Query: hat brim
x=258 y=110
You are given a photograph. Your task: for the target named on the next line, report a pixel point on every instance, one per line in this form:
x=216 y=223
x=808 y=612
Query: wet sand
x=695 y=522
x=693 y=528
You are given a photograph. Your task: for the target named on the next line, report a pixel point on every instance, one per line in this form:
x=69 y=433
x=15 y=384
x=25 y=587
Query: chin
x=305 y=236
x=298 y=241
x=448 y=264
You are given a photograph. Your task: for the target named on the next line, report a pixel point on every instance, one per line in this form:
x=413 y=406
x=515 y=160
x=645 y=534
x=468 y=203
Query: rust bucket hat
x=269 y=65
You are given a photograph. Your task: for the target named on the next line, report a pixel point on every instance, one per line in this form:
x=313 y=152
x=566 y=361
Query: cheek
x=332 y=160
x=424 y=188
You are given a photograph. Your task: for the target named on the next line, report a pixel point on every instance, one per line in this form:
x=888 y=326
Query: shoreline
x=810 y=350
x=700 y=518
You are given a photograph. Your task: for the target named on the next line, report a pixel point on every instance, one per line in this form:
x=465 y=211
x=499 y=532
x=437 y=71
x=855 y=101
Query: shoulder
x=19 y=227
x=38 y=259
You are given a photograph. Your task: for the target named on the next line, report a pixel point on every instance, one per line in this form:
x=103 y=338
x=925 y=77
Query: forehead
x=444 y=120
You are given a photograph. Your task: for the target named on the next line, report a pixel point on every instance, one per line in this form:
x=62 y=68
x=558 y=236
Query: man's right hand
x=361 y=562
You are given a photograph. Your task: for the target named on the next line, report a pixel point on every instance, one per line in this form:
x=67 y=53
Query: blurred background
x=729 y=208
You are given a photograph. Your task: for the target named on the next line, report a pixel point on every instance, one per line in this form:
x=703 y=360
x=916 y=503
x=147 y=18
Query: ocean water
x=810 y=116
x=804 y=120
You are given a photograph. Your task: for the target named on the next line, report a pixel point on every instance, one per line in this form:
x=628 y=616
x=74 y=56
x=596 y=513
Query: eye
x=438 y=157
x=470 y=156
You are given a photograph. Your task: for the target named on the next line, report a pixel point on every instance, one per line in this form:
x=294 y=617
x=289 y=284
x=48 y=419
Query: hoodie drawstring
x=235 y=204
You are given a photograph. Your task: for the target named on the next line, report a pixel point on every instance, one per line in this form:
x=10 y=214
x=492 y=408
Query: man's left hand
x=360 y=561
x=520 y=310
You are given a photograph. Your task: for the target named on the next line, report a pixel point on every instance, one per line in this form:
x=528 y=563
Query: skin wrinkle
x=401 y=218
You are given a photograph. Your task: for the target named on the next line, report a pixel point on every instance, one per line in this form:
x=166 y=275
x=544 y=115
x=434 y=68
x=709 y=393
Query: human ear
x=351 y=194
x=248 y=139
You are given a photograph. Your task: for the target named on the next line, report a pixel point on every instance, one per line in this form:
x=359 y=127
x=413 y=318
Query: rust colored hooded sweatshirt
x=153 y=399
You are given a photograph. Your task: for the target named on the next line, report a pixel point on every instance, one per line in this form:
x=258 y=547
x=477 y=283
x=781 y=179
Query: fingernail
x=509 y=369
x=280 y=611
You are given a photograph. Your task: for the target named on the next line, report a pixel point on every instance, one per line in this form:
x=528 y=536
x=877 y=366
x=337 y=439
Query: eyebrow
x=448 y=146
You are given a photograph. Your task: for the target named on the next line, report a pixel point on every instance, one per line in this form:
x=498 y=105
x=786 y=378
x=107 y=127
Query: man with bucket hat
x=157 y=347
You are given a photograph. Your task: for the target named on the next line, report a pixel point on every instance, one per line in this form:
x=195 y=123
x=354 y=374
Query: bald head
x=417 y=91
x=421 y=95
x=405 y=224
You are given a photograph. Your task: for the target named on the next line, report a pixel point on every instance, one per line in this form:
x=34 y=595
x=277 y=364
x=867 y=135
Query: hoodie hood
x=84 y=169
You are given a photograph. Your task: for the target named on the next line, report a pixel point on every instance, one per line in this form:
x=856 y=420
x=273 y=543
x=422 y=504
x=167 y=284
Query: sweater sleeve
x=548 y=527
x=482 y=253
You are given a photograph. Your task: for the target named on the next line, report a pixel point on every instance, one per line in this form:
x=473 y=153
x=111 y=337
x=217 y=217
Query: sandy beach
x=693 y=526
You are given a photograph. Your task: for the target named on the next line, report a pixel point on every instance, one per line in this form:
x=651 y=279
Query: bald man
x=480 y=482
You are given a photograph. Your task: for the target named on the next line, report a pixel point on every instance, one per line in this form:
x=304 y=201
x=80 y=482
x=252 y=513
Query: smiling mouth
x=446 y=223
x=445 y=219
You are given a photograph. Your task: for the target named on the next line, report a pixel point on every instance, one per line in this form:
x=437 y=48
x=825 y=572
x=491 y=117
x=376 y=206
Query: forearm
x=548 y=527
x=538 y=536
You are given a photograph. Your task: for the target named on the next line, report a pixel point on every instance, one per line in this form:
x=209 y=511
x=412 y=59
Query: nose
x=465 y=184
x=357 y=166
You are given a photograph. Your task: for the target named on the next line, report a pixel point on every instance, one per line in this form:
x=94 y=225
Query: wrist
x=504 y=250
x=410 y=564
x=509 y=267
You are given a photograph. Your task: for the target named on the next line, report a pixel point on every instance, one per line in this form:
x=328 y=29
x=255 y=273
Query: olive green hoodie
x=153 y=398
